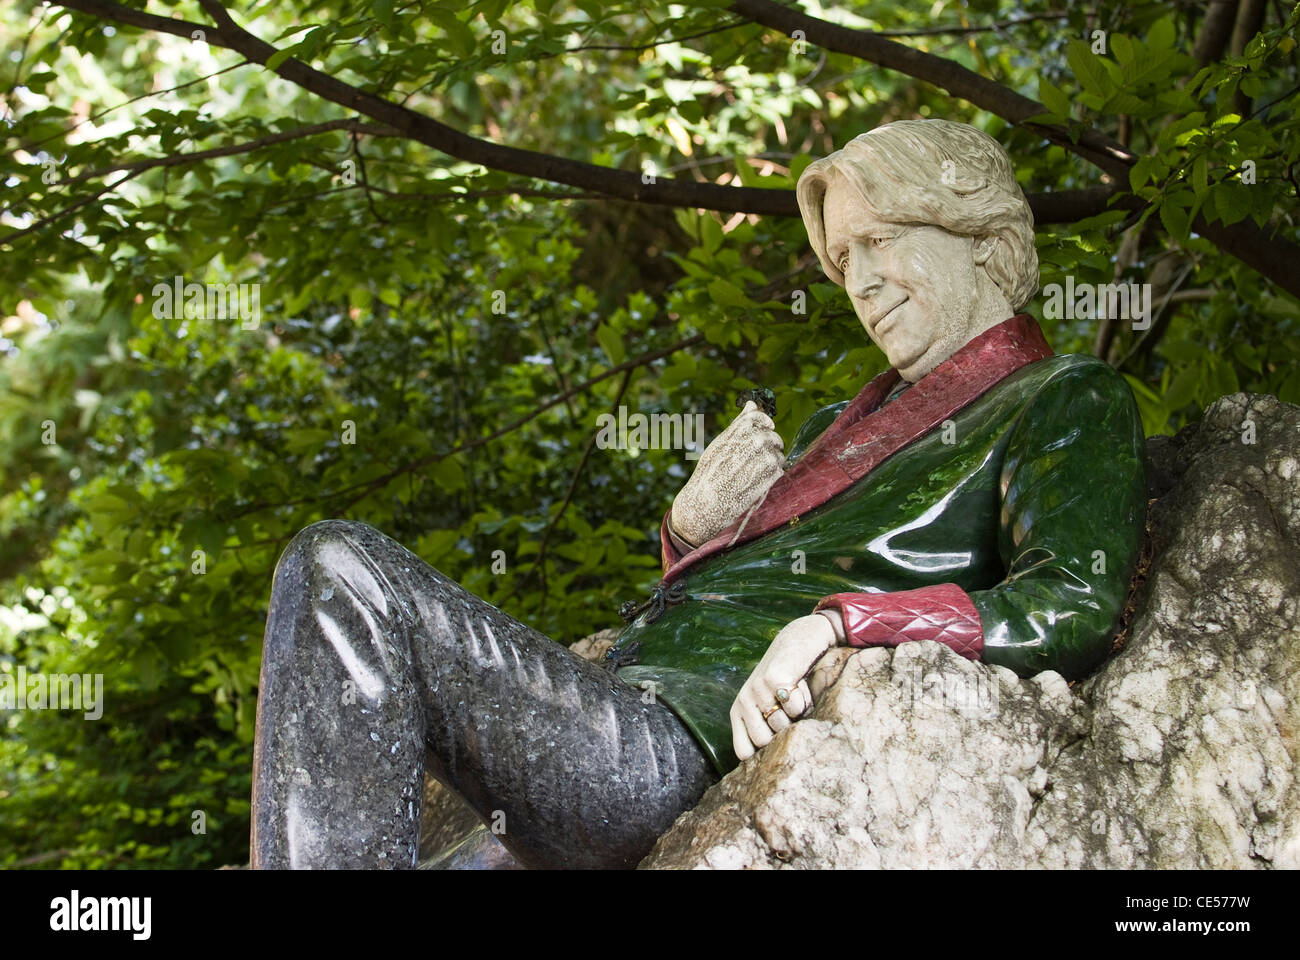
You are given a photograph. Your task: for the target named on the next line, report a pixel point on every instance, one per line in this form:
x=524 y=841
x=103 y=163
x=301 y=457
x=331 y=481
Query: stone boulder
x=1179 y=752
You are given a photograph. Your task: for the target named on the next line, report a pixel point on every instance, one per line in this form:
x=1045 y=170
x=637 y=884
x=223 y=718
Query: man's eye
x=880 y=241
x=844 y=263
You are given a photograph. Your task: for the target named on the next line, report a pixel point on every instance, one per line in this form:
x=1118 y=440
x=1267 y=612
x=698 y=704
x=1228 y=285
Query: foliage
x=469 y=325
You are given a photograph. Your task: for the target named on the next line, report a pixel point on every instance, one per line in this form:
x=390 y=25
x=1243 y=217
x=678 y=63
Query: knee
x=319 y=546
x=326 y=535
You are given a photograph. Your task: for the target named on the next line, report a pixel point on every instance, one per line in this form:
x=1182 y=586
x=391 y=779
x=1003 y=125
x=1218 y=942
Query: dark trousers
x=376 y=667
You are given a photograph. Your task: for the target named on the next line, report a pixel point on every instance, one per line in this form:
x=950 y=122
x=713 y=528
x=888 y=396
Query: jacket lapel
x=864 y=435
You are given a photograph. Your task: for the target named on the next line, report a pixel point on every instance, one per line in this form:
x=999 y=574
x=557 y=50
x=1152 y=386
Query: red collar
x=865 y=434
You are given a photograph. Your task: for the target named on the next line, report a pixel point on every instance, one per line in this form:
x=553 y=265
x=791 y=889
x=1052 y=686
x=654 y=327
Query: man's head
x=923 y=224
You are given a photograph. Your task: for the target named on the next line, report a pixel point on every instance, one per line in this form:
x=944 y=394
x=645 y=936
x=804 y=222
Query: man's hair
x=933 y=172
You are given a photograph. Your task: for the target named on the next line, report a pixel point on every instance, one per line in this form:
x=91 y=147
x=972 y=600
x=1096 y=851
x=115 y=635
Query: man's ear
x=984 y=247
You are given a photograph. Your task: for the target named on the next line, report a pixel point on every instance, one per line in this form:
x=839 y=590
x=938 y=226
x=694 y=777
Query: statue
x=982 y=493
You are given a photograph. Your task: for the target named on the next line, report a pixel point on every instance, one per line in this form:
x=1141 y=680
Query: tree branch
x=1057 y=207
x=377 y=482
x=965 y=29
x=538 y=561
x=647 y=46
x=1094 y=146
x=1216 y=28
x=1274 y=257
x=30 y=146
x=177 y=159
x=416 y=126
x=71 y=208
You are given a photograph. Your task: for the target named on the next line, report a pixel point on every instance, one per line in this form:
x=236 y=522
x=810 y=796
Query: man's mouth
x=875 y=324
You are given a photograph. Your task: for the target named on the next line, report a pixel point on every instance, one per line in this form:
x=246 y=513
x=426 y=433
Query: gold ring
x=772 y=711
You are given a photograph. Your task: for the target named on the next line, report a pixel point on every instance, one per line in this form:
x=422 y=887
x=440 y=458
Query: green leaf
x=1161 y=35
x=1182 y=129
x=106 y=503
x=305 y=439
x=1200 y=175
x=1231 y=201
x=273 y=62
x=1175 y=219
x=493 y=9
x=1247 y=356
x=1123 y=102
x=1182 y=389
x=712 y=234
x=448 y=474
x=611 y=341
x=1184 y=351
x=212 y=537
x=305 y=49
x=1088 y=69
x=799 y=164
x=1140 y=172
x=459 y=36
x=727 y=294
x=1053 y=97
x=1123 y=47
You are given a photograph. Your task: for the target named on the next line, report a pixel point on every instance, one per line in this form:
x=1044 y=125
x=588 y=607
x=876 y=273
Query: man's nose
x=863 y=279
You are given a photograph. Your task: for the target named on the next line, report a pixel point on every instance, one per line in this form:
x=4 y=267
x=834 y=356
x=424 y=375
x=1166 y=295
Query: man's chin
x=912 y=365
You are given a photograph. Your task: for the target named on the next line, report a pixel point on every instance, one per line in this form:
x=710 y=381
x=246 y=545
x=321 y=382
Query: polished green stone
x=1035 y=508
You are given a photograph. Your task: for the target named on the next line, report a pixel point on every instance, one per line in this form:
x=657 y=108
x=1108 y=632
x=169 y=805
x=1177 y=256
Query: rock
x=445 y=819
x=917 y=758
x=595 y=646
x=1180 y=752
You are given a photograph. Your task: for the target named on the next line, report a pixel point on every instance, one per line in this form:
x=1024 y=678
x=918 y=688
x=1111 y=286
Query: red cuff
x=943 y=613
x=668 y=552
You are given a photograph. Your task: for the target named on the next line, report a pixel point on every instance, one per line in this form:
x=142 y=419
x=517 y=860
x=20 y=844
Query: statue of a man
x=982 y=493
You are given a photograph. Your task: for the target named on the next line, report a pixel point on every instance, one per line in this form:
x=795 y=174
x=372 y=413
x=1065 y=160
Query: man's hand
x=734 y=472
x=759 y=712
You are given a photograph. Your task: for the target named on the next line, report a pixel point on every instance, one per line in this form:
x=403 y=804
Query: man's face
x=913 y=287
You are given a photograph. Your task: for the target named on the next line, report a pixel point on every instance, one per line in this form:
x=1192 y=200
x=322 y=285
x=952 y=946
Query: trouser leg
x=372 y=656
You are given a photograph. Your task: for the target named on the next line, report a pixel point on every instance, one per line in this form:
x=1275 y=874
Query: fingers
x=748 y=731
x=745 y=444
x=777 y=720
x=757 y=716
x=828 y=669
x=739 y=737
x=800 y=702
x=773 y=440
x=752 y=418
x=760 y=734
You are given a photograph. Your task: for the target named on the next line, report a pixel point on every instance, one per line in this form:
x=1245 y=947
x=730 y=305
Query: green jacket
x=1030 y=499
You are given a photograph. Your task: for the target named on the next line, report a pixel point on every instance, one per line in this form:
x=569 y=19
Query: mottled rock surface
x=1180 y=752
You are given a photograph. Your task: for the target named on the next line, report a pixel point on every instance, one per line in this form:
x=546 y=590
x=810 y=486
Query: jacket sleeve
x=1073 y=491
x=669 y=553
x=943 y=613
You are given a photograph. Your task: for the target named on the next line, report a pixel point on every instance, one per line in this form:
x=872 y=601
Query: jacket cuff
x=943 y=613
x=669 y=550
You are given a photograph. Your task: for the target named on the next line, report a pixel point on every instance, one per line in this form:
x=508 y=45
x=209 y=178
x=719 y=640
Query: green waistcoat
x=1032 y=501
